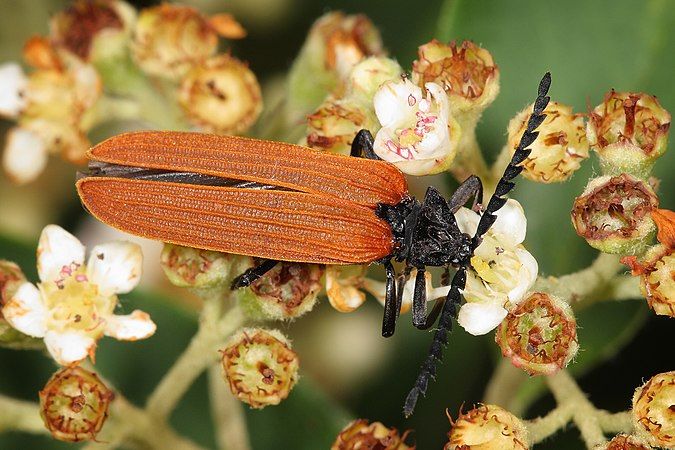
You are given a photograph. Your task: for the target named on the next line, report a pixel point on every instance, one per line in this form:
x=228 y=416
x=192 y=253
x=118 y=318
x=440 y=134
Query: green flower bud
x=654 y=410
x=368 y=75
x=539 y=335
x=629 y=131
x=487 y=427
x=221 y=95
x=359 y=434
x=260 y=366
x=560 y=147
x=74 y=404
x=191 y=267
x=613 y=214
x=287 y=291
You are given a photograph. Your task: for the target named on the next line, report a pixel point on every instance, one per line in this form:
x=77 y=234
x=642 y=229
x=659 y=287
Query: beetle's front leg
x=252 y=274
x=471 y=187
x=362 y=145
x=390 y=301
x=419 y=300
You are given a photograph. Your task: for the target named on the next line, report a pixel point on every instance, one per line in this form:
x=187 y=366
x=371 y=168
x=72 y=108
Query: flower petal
x=70 y=347
x=115 y=267
x=394 y=102
x=25 y=155
x=467 y=220
x=12 y=82
x=132 y=327
x=480 y=318
x=26 y=312
x=511 y=224
x=527 y=275
x=57 y=249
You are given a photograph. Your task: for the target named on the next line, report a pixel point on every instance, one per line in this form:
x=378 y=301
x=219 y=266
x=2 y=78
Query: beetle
x=283 y=202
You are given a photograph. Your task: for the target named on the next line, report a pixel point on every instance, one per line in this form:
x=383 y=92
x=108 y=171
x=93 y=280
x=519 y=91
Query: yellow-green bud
x=191 y=267
x=613 y=214
x=359 y=434
x=368 y=75
x=560 y=147
x=487 y=427
x=287 y=291
x=656 y=269
x=629 y=131
x=221 y=95
x=260 y=366
x=654 y=410
x=539 y=335
x=74 y=404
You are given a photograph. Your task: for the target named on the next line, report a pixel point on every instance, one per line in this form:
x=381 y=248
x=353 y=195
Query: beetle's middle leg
x=362 y=145
x=254 y=273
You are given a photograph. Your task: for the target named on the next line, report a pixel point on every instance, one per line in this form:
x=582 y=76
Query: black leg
x=505 y=184
x=471 y=187
x=419 y=300
x=390 y=302
x=428 y=369
x=362 y=145
x=251 y=275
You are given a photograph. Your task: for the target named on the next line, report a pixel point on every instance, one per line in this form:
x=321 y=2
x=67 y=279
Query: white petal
x=12 y=82
x=467 y=220
x=57 y=249
x=115 y=267
x=511 y=224
x=480 y=318
x=25 y=155
x=26 y=312
x=527 y=275
x=392 y=102
x=67 y=348
x=132 y=327
x=441 y=99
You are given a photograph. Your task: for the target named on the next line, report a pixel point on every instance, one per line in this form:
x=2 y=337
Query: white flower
x=417 y=135
x=502 y=270
x=12 y=83
x=25 y=155
x=72 y=306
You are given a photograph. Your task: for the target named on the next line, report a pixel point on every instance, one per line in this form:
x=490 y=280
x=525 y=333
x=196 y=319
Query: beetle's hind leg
x=362 y=145
x=254 y=273
x=471 y=187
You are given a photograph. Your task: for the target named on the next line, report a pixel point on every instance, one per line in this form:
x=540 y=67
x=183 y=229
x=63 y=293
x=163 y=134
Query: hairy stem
x=544 y=427
x=20 y=415
x=503 y=386
x=227 y=413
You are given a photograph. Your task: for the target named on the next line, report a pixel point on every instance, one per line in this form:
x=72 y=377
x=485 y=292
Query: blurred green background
x=347 y=369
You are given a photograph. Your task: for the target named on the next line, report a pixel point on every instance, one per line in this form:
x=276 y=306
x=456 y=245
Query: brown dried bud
x=613 y=214
x=560 y=147
x=359 y=434
x=11 y=277
x=467 y=73
x=539 y=335
x=656 y=270
x=74 y=404
x=287 y=291
x=487 y=427
x=191 y=267
x=221 y=95
x=39 y=53
x=629 y=131
x=343 y=285
x=654 y=410
x=624 y=442
x=260 y=366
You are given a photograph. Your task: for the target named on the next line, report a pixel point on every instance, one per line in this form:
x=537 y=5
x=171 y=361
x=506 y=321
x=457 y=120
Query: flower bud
x=624 y=442
x=368 y=75
x=342 y=286
x=11 y=277
x=169 y=39
x=13 y=82
x=287 y=291
x=92 y=28
x=629 y=131
x=191 y=267
x=221 y=95
x=467 y=73
x=613 y=214
x=359 y=434
x=560 y=147
x=654 y=410
x=418 y=135
x=260 y=366
x=335 y=43
x=655 y=269
x=539 y=335
x=487 y=427
x=334 y=125
x=74 y=404
x=39 y=52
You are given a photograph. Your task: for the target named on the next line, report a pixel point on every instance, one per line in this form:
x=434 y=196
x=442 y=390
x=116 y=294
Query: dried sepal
x=614 y=214
x=654 y=410
x=343 y=286
x=487 y=427
x=259 y=366
x=74 y=404
x=359 y=434
x=190 y=267
x=624 y=442
x=539 y=335
x=656 y=269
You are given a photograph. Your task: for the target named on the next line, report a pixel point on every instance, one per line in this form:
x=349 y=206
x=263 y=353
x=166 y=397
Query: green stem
x=20 y=415
x=504 y=385
x=227 y=413
x=544 y=427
